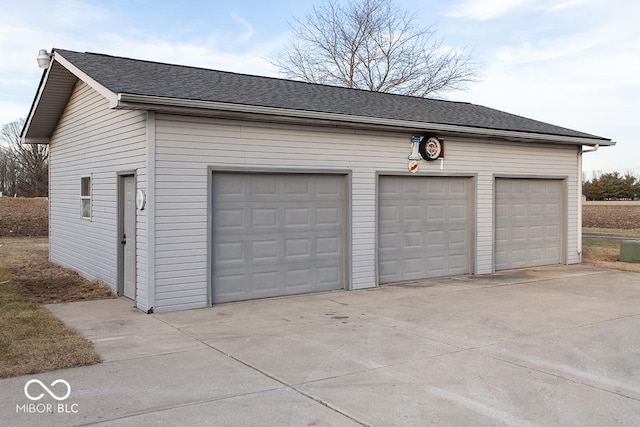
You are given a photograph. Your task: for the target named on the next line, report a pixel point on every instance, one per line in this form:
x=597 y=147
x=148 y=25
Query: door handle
x=124 y=239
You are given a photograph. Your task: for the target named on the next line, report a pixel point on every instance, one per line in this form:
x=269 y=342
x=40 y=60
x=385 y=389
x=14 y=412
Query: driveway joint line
x=181 y=405
x=286 y=384
x=542 y=371
x=274 y=378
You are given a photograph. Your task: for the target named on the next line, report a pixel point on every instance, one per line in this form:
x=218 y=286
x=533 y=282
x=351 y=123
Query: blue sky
x=574 y=63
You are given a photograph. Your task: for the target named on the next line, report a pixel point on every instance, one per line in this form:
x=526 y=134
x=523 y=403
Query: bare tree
x=8 y=172
x=26 y=171
x=373 y=45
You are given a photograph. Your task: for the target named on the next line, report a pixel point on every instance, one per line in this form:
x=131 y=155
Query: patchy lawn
x=605 y=253
x=612 y=219
x=32 y=339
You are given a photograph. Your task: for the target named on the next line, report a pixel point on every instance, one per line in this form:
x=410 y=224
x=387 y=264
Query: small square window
x=85 y=196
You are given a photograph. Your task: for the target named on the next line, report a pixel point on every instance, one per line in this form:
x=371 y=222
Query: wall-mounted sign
x=413 y=166
x=415 y=148
x=431 y=148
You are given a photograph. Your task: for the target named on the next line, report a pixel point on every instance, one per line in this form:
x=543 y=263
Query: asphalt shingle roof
x=137 y=77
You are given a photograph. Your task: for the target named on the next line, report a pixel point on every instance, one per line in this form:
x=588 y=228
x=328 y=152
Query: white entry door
x=129 y=236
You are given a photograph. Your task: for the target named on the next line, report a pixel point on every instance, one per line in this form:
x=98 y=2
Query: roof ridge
x=163 y=80
x=148 y=61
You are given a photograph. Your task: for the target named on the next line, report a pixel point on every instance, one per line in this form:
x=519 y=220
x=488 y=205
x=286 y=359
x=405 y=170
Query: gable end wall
x=92 y=140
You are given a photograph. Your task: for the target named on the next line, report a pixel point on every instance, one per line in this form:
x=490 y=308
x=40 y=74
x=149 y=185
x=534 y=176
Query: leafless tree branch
x=24 y=168
x=373 y=45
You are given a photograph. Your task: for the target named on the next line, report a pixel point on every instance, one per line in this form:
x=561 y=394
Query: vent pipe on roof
x=44 y=58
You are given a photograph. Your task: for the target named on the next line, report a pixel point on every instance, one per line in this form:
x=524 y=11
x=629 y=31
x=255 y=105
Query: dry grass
x=24 y=217
x=604 y=253
x=614 y=219
x=32 y=340
x=45 y=282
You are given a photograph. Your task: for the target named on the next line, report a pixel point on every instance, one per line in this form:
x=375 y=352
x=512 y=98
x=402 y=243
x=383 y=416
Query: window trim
x=85 y=198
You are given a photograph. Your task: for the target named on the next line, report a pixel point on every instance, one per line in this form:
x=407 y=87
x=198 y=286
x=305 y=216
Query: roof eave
x=177 y=105
x=34 y=105
x=33 y=112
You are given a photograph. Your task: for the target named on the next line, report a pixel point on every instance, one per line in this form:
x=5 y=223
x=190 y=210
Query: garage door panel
x=297 y=248
x=429 y=225
x=388 y=213
x=328 y=188
x=434 y=213
x=528 y=222
x=329 y=246
x=299 y=278
x=296 y=217
x=552 y=231
x=230 y=251
x=277 y=234
x=328 y=216
x=413 y=240
x=230 y=218
x=435 y=240
x=412 y=213
x=264 y=217
x=458 y=237
x=329 y=277
x=264 y=187
x=299 y=187
x=387 y=268
x=265 y=251
x=458 y=262
x=388 y=241
x=458 y=212
x=436 y=265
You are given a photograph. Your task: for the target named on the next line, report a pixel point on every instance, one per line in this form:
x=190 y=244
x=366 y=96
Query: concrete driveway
x=546 y=346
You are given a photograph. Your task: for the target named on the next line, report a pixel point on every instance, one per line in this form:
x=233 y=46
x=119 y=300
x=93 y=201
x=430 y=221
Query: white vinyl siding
x=187 y=146
x=92 y=140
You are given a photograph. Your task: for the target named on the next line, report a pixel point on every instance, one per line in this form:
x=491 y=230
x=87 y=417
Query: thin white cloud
x=247 y=34
x=483 y=10
x=605 y=39
x=562 y=5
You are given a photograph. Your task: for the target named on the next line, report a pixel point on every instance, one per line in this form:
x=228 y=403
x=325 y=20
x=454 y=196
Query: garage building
x=184 y=187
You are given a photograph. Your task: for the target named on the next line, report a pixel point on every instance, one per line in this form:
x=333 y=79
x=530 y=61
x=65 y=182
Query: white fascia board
x=34 y=106
x=125 y=101
x=109 y=95
x=35 y=140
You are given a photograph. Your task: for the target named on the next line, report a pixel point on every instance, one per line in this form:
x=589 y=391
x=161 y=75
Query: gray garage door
x=277 y=234
x=528 y=222
x=423 y=227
